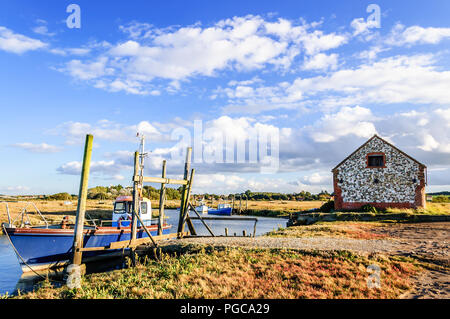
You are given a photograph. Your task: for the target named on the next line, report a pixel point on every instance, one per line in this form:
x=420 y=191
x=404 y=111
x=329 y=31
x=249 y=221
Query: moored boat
x=50 y=246
x=222 y=209
x=202 y=208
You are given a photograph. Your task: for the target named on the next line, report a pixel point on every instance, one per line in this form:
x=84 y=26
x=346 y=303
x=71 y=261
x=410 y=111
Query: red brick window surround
x=374 y=159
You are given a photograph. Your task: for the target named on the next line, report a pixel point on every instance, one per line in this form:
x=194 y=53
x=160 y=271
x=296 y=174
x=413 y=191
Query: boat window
x=119 y=208
x=143 y=208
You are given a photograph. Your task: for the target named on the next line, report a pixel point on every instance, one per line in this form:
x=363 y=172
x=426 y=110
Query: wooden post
x=232 y=210
x=244 y=233
x=226 y=231
x=161 y=201
x=240 y=204
x=135 y=206
x=187 y=167
x=187 y=203
x=81 y=209
x=254 y=228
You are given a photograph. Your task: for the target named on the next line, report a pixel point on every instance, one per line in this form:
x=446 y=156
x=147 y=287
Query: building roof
x=384 y=141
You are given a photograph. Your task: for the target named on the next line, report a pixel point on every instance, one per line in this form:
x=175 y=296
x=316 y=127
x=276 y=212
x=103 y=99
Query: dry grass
x=284 y=205
x=356 y=230
x=431 y=209
x=247 y=274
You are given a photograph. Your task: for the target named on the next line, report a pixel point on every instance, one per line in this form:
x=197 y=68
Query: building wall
x=401 y=183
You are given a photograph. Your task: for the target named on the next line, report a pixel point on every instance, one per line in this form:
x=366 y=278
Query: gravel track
x=313 y=243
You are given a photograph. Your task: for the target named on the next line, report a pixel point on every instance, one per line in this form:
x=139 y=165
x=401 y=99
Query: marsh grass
x=243 y=273
x=431 y=209
x=356 y=230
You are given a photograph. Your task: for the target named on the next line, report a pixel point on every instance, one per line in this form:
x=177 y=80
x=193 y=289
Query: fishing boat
x=222 y=209
x=51 y=245
x=202 y=208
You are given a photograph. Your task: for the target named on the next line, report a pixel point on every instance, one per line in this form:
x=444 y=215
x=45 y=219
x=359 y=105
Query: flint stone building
x=381 y=175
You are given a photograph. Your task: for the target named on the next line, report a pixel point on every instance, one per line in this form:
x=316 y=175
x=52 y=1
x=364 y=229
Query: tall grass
x=247 y=274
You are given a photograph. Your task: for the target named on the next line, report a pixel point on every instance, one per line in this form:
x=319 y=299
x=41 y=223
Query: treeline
x=441 y=199
x=112 y=192
x=266 y=196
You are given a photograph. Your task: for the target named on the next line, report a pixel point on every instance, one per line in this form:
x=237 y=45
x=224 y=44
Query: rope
x=23 y=261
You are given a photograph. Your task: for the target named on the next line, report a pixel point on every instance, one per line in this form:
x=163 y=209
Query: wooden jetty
x=150 y=242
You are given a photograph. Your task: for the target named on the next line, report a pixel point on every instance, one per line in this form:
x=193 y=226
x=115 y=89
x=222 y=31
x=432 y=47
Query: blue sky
x=319 y=73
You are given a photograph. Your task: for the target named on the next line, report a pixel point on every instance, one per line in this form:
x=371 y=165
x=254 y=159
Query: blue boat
x=222 y=210
x=51 y=246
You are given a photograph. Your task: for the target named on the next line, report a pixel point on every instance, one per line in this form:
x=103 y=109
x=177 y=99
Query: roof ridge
x=382 y=139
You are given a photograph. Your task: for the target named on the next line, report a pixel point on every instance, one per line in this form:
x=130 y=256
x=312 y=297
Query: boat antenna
x=142 y=155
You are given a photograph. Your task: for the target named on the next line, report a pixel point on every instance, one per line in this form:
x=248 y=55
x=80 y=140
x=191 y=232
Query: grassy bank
x=240 y=273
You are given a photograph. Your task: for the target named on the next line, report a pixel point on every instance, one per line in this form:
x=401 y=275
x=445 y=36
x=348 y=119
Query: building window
x=376 y=160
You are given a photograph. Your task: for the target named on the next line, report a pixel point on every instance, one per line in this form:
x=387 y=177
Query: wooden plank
x=187 y=166
x=141 y=241
x=186 y=208
x=199 y=217
x=146 y=179
x=226 y=218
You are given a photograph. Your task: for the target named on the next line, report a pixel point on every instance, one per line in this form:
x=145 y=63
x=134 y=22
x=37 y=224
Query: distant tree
x=60 y=196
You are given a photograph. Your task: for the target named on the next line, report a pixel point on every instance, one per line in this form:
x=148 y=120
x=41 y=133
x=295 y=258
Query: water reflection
x=12 y=279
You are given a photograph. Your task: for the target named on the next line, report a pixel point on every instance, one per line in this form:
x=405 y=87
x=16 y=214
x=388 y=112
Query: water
x=12 y=278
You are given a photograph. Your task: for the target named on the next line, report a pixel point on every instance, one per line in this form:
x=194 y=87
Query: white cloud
x=43 y=30
x=38 y=148
x=356 y=121
x=362 y=27
x=400 y=35
x=317 y=41
x=400 y=79
x=75 y=132
x=317 y=179
x=88 y=71
x=178 y=53
x=18 y=43
x=321 y=61
x=14 y=190
x=107 y=168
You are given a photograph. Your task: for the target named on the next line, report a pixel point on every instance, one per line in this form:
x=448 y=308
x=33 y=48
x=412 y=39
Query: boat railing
x=23 y=215
x=108 y=222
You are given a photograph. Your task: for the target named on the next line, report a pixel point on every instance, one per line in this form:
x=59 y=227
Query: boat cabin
x=122 y=213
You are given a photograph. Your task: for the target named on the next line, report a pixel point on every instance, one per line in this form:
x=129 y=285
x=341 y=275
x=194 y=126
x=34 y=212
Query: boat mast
x=142 y=156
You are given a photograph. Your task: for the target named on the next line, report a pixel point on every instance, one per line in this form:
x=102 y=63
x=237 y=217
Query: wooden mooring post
x=135 y=207
x=184 y=194
x=82 y=197
x=162 y=196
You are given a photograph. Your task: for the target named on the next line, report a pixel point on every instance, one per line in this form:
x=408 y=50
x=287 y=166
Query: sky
x=320 y=76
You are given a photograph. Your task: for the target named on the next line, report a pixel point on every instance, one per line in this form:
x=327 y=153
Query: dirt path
x=429 y=242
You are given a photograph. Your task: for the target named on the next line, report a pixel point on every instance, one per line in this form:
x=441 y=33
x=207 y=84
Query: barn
x=381 y=175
